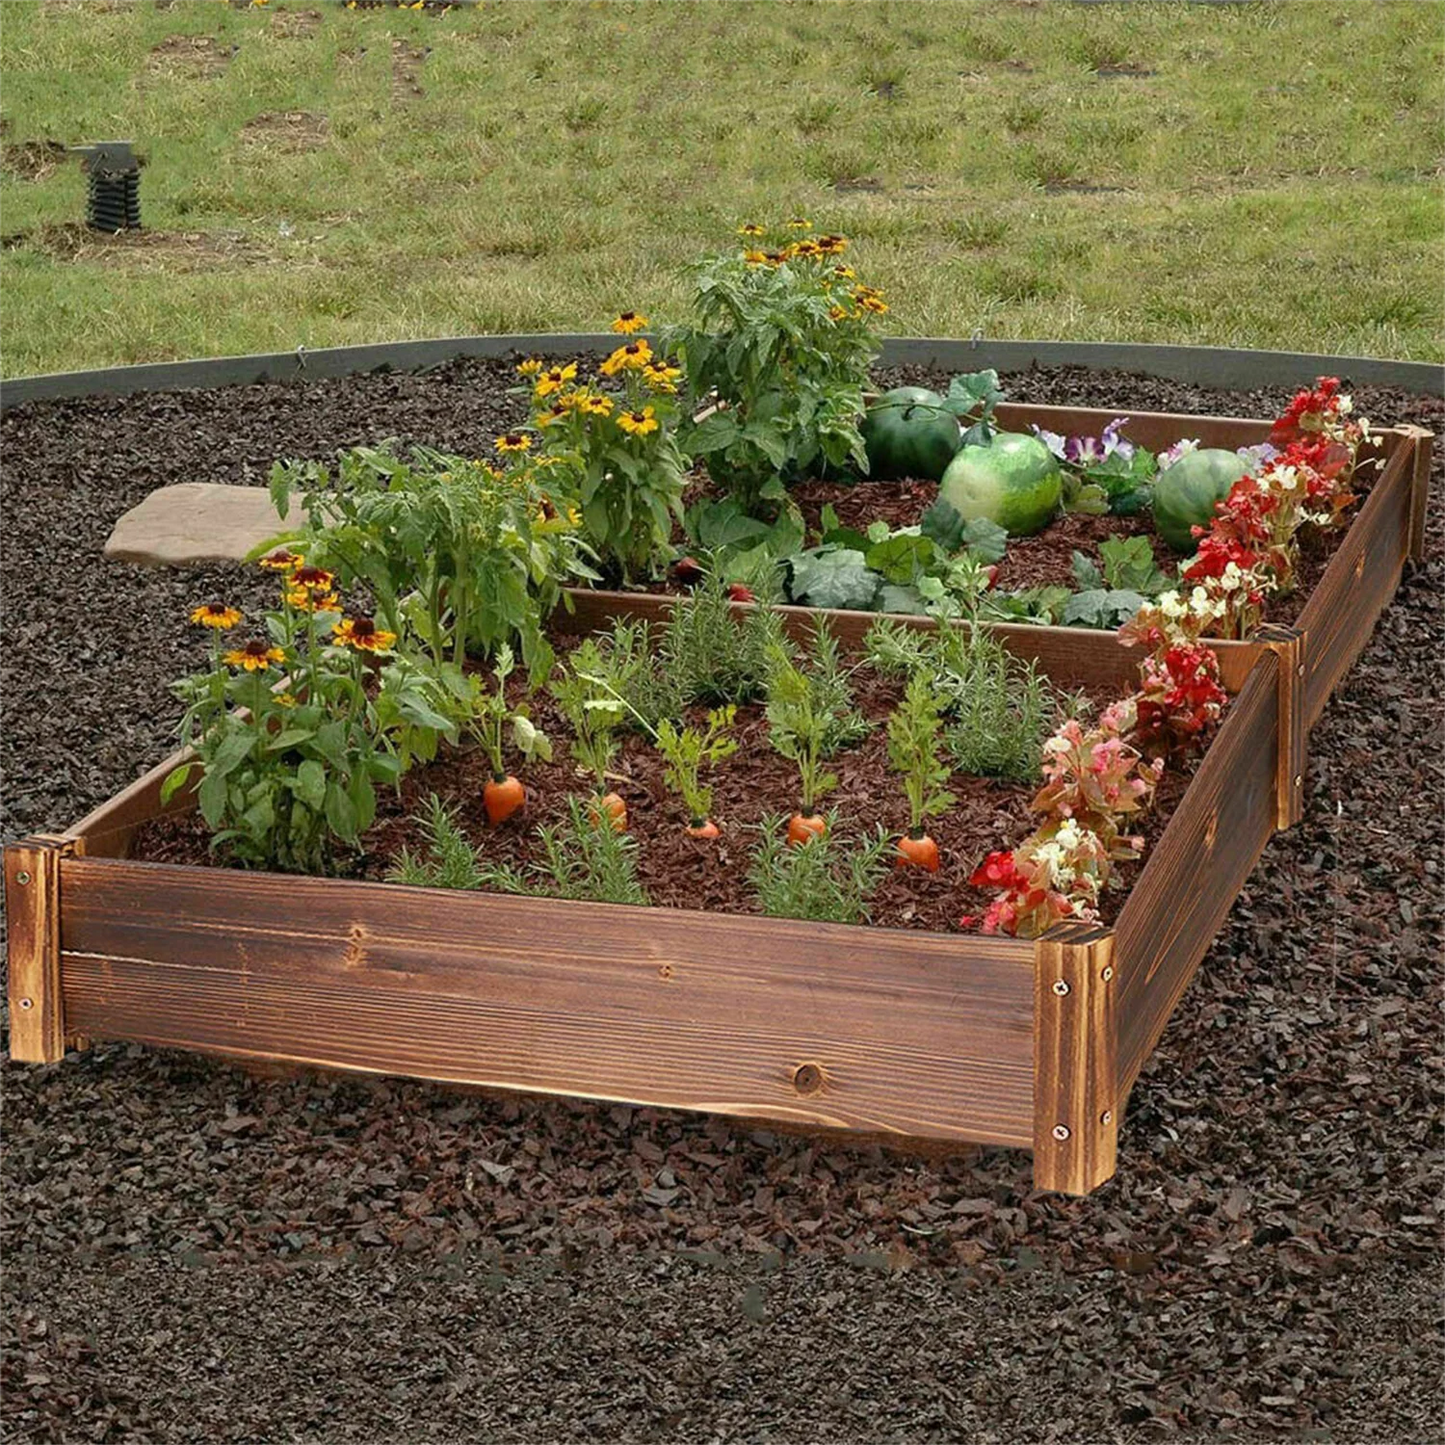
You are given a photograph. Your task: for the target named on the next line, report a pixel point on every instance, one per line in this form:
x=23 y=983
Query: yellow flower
x=598 y=405
x=751 y=229
x=215 y=615
x=285 y=699
x=632 y=357
x=256 y=656
x=363 y=634
x=800 y=223
x=845 y=273
x=832 y=245
x=554 y=380
x=803 y=248
x=873 y=304
x=513 y=441
x=840 y=313
x=661 y=377
x=304 y=601
x=282 y=560
x=638 y=423
x=531 y=366
x=756 y=258
x=311 y=579
x=630 y=322
x=554 y=413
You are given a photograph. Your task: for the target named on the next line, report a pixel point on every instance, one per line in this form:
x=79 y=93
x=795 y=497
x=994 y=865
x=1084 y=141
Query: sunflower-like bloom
x=752 y=230
x=805 y=248
x=363 y=634
x=554 y=379
x=629 y=323
x=638 y=423
x=554 y=413
x=756 y=258
x=632 y=357
x=597 y=404
x=256 y=656
x=841 y=313
x=869 y=299
x=513 y=441
x=311 y=579
x=661 y=377
x=800 y=223
x=305 y=601
x=845 y=273
x=215 y=615
x=283 y=559
x=532 y=366
x=832 y=245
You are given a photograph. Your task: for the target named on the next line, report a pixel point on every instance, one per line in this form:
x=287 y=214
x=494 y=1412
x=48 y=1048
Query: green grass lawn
x=1260 y=175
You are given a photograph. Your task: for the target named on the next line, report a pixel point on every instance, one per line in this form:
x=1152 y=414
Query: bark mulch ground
x=195 y=1252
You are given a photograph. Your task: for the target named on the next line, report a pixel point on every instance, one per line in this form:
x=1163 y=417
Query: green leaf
x=175 y=781
x=1129 y=563
x=714 y=434
x=232 y=751
x=340 y=812
x=1100 y=607
x=838 y=578
x=907 y=600
x=212 y=798
x=310 y=784
x=289 y=738
x=984 y=539
x=1087 y=576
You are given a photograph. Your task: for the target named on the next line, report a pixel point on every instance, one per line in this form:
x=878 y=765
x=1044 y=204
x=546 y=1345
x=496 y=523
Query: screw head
x=1108 y=972
x=27 y=1004
x=1061 y=987
x=22 y=878
x=1299 y=781
x=1061 y=1132
x=1107 y=1117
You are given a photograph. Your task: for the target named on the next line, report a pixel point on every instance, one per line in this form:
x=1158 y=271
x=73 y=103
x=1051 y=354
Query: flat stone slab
x=194 y=523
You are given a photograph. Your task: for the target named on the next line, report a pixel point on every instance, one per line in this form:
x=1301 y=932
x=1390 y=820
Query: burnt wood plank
x=1423 y=442
x=1359 y=582
x=921 y=1034
x=1076 y=1066
x=1153 y=429
x=32 y=911
x=1191 y=878
x=1288 y=645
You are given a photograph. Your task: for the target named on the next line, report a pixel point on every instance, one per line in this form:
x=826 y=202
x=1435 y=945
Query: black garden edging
x=1199 y=365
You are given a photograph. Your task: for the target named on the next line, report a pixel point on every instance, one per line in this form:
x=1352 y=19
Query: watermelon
x=1186 y=491
x=909 y=432
x=1013 y=480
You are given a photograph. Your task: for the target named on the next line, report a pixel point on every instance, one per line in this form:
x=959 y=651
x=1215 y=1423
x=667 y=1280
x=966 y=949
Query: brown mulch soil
x=193 y=1252
x=755 y=783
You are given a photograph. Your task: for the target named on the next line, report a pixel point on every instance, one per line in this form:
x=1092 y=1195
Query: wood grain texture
x=1073 y=656
x=1359 y=582
x=920 y=1034
x=32 y=911
x=1153 y=429
x=1424 y=444
x=1076 y=1065
x=1288 y=645
x=1191 y=878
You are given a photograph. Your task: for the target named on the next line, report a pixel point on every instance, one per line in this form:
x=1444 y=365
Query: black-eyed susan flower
x=841 y=313
x=832 y=245
x=256 y=656
x=283 y=559
x=311 y=579
x=215 y=615
x=304 y=600
x=805 y=248
x=751 y=229
x=532 y=366
x=285 y=699
x=363 y=634
x=513 y=441
x=874 y=303
x=629 y=323
x=661 y=377
x=554 y=379
x=637 y=423
x=554 y=413
x=774 y=258
x=844 y=273
x=800 y=223
x=756 y=258
x=632 y=357
x=597 y=404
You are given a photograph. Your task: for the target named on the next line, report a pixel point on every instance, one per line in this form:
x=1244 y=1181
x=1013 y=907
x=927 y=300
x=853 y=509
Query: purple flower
x=1113 y=442
x=1083 y=450
x=1257 y=457
x=1052 y=440
x=1170 y=455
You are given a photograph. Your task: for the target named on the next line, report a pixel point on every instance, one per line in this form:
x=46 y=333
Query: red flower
x=996 y=871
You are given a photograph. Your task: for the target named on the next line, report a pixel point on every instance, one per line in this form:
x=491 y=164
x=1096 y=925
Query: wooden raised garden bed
x=911 y=1035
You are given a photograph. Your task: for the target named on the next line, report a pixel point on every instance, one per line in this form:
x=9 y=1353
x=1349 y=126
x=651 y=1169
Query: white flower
x=1344 y=405
x=1286 y=478
x=1171 y=604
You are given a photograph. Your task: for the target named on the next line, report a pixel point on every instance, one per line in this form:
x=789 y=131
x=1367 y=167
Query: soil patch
x=194 y=57
x=295 y=24
x=406 y=64
x=287 y=130
x=32 y=160
x=142 y=249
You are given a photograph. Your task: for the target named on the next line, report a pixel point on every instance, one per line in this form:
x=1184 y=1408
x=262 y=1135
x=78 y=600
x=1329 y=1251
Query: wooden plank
x=1191 y=878
x=920 y=1034
x=1424 y=443
x=1359 y=582
x=1288 y=645
x=1153 y=429
x=1076 y=1067
x=106 y=831
x=32 y=910
x=1076 y=656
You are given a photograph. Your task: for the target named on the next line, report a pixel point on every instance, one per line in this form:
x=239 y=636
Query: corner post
x=32 y=908
x=1423 y=442
x=1076 y=1059
x=1288 y=646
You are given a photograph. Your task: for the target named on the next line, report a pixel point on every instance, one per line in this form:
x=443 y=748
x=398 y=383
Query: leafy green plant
x=781 y=337
x=592 y=708
x=617 y=448
x=493 y=715
x=582 y=858
x=972 y=397
x=829 y=881
x=915 y=749
x=710 y=652
x=289 y=744
x=463 y=554
x=687 y=751
x=1111 y=596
